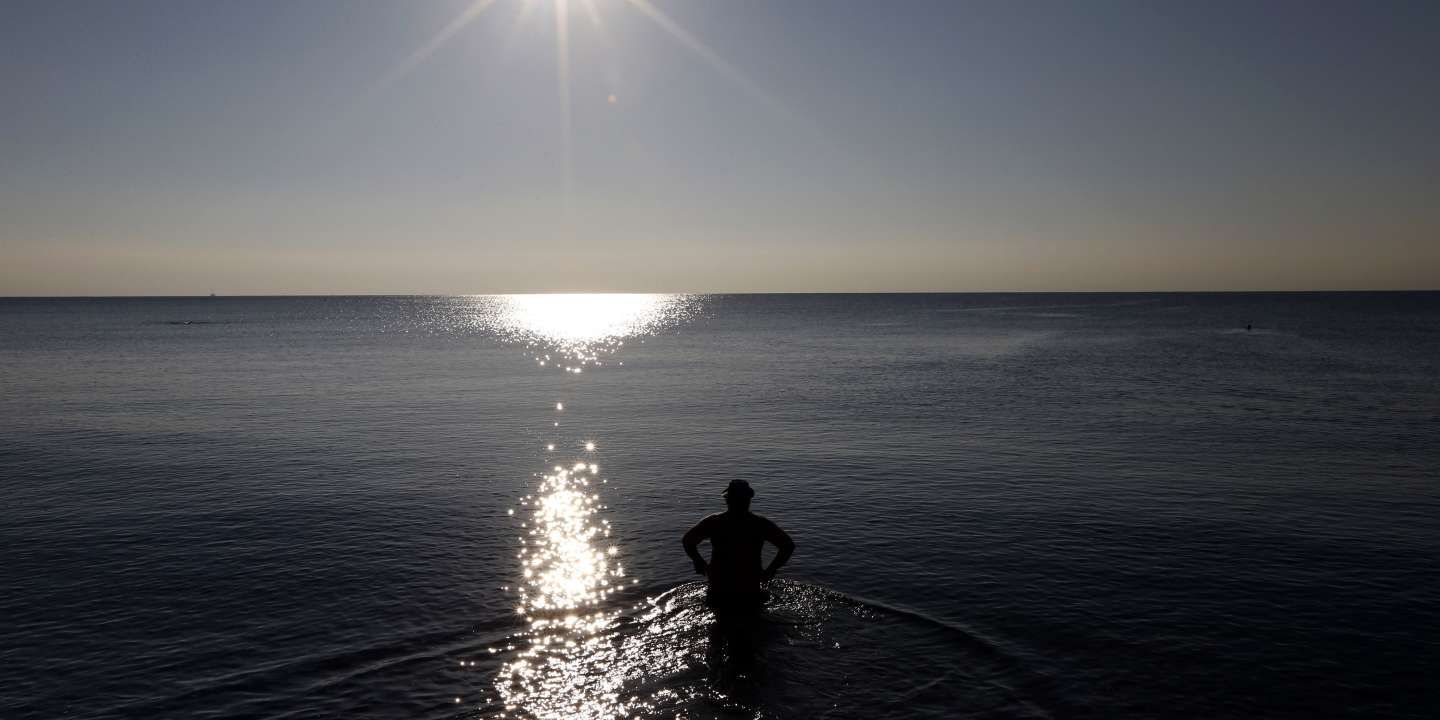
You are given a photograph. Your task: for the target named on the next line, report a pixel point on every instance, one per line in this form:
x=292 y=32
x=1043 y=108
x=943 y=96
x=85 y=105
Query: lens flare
x=563 y=80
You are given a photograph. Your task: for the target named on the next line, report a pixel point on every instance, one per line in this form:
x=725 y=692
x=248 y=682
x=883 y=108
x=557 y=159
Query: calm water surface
x=1006 y=506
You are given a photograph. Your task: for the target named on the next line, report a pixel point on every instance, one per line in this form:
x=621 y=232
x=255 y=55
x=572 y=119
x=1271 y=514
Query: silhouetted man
x=736 y=537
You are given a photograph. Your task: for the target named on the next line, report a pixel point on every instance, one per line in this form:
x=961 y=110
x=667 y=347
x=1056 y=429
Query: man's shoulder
x=762 y=520
x=734 y=519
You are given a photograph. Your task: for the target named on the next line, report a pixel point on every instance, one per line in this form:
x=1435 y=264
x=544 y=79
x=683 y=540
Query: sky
x=449 y=146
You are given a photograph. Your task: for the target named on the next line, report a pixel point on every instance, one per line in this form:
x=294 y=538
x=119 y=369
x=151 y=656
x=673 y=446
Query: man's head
x=737 y=495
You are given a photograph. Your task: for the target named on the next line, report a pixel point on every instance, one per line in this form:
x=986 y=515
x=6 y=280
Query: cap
x=739 y=488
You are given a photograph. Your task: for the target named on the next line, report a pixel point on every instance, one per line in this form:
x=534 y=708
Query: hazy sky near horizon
x=256 y=147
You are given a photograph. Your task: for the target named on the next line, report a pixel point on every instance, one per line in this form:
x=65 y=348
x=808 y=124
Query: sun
x=562 y=10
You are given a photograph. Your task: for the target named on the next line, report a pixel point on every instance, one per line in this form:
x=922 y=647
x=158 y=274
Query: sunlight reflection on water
x=569 y=569
x=567 y=665
x=611 y=667
x=573 y=331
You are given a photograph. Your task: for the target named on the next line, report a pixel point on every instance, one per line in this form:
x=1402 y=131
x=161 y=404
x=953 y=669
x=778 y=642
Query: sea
x=1137 y=505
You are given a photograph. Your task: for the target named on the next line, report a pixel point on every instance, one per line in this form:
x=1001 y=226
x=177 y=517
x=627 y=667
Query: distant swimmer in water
x=1247 y=327
x=736 y=537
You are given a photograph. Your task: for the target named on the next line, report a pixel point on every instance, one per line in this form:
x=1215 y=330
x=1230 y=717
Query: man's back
x=736 y=538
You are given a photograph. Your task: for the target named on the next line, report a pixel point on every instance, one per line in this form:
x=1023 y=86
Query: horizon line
x=348 y=294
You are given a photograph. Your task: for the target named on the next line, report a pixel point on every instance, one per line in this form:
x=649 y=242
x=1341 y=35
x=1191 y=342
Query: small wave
x=814 y=653
x=333 y=674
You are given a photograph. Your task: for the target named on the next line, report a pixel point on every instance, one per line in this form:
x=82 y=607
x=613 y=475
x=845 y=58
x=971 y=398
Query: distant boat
x=212 y=293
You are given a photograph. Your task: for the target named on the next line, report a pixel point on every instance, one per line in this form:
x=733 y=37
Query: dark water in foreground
x=1007 y=506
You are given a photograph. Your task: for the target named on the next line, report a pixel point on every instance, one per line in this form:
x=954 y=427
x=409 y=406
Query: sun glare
x=563 y=42
x=569 y=332
x=582 y=318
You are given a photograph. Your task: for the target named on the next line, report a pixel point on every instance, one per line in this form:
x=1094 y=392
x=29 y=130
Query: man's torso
x=735 y=541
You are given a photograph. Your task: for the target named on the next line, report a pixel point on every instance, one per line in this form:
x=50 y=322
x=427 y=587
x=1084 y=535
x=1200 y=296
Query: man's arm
x=692 y=540
x=781 y=540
